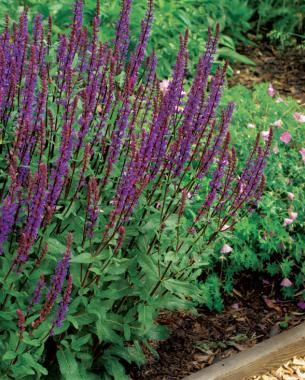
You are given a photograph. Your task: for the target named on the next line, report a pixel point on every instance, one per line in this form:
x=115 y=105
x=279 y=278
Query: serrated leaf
x=83 y=258
x=147 y=264
x=9 y=355
x=68 y=365
x=180 y=287
x=55 y=246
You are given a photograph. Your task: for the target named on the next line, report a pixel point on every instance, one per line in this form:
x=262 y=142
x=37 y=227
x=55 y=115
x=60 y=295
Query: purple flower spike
x=57 y=281
x=37 y=292
x=63 y=307
x=37 y=207
x=122 y=34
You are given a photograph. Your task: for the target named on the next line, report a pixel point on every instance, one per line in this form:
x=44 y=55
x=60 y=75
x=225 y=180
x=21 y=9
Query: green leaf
x=149 y=267
x=83 y=258
x=180 y=287
x=105 y=332
x=116 y=369
x=9 y=355
x=234 y=56
x=31 y=362
x=68 y=365
x=146 y=316
x=127 y=332
x=55 y=246
x=78 y=343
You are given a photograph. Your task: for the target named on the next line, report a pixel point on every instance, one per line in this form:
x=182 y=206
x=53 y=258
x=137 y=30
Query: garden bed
x=285 y=69
x=254 y=313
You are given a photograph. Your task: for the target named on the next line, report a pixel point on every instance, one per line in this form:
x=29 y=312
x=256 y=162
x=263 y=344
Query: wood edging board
x=263 y=357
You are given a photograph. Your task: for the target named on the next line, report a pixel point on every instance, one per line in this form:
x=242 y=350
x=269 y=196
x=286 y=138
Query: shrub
x=114 y=188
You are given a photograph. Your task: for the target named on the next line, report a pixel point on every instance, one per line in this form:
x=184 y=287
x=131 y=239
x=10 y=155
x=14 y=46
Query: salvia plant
x=114 y=188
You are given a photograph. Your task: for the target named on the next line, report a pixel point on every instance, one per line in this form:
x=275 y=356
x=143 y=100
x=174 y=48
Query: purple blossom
x=92 y=206
x=138 y=56
x=37 y=206
x=63 y=306
x=37 y=292
x=9 y=206
x=60 y=272
x=122 y=34
x=62 y=165
x=56 y=284
x=180 y=150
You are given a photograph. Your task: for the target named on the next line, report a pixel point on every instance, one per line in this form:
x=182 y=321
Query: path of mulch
x=284 y=69
x=252 y=315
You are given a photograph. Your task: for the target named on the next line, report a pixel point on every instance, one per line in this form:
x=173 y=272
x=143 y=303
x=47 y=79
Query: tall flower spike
x=21 y=321
x=62 y=165
x=37 y=208
x=167 y=108
x=122 y=35
x=57 y=281
x=138 y=56
x=180 y=150
x=9 y=205
x=37 y=292
x=92 y=206
x=63 y=306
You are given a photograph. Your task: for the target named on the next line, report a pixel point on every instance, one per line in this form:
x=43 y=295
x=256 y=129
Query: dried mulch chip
x=294 y=369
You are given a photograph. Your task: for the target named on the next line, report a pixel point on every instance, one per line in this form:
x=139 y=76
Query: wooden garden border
x=263 y=357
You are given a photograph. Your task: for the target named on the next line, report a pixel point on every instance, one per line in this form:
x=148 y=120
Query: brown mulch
x=252 y=315
x=284 y=69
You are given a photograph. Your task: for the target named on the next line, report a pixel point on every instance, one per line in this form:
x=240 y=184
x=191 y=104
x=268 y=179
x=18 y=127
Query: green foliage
x=172 y=17
x=282 y=20
x=260 y=241
x=285 y=19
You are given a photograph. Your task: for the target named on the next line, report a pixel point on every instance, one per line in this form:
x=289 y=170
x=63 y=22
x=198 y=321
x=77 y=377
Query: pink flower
x=302 y=153
x=250 y=125
x=287 y=221
x=164 y=85
x=293 y=215
x=226 y=249
x=301 y=305
x=279 y=100
x=286 y=137
x=290 y=196
x=225 y=228
x=278 y=123
x=286 y=283
x=271 y=90
x=300 y=117
x=235 y=306
x=265 y=135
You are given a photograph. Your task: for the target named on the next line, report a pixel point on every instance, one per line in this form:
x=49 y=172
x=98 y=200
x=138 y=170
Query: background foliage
x=261 y=242
x=281 y=20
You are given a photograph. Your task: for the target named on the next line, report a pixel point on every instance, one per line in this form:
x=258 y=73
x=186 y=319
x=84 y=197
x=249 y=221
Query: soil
x=254 y=312
x=284 y=69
